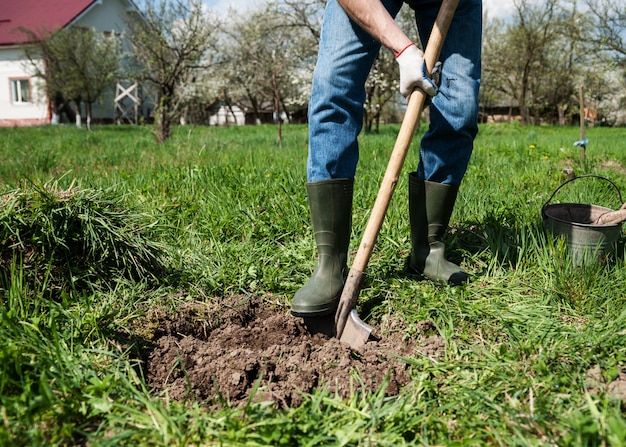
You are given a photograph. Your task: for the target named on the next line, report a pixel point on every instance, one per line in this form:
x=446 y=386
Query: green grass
x=228 y=208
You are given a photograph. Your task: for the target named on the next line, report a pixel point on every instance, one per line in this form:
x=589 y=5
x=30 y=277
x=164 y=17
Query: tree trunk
x=523 y=95
x=57 y=105
x=88 y=107
x=79 y=122
x=232 y=112
x=229 y=106
x=255 y=108
x=561 y=111
x=367 y=121
x=536 y=116
x=288 y=117
x=523 y=108
x=68 y=110
x=163 y=120
x=184 y=116
x=279 y=121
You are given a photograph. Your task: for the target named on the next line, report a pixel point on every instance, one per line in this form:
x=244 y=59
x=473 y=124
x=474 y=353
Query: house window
x=20 y=91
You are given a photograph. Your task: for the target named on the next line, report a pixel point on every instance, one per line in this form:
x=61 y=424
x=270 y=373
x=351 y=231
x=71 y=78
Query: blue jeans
x=346 y=55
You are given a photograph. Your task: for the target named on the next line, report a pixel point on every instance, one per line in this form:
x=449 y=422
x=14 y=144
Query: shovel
x=349 y=328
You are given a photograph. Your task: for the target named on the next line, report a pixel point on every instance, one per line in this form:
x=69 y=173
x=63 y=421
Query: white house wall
x=14 y=65
x=223 y=116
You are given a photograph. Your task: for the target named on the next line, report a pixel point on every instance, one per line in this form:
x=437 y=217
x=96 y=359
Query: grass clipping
x=77 y=237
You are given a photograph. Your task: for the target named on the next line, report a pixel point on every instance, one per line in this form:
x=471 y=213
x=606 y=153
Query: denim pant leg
x=447 y=145
x=346 y=55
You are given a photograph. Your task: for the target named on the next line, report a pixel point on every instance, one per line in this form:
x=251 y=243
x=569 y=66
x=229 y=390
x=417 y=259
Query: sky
x=221 y=6
x=495 y=8
x=498 y=8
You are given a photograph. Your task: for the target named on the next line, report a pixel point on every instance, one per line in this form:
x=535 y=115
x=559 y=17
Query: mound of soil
x=248 y=349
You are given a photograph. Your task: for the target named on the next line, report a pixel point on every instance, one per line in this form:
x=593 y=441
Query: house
x=23 y=101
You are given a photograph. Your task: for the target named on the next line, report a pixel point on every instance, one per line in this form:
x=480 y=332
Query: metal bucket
x=586 y=242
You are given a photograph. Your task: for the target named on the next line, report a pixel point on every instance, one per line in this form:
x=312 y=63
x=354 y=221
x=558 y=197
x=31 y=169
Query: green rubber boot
x=430 y=207
x=330 y=202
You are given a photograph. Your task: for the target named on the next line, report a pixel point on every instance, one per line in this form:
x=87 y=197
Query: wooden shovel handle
x=410 y=122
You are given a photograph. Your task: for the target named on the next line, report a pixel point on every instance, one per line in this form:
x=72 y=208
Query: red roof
x=37 y=15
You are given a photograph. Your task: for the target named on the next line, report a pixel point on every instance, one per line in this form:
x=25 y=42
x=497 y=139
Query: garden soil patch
x=248 y=349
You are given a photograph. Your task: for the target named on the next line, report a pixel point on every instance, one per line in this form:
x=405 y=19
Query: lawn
x=122 y=259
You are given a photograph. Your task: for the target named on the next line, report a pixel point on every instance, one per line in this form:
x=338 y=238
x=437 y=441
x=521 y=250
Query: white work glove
x=413 y=72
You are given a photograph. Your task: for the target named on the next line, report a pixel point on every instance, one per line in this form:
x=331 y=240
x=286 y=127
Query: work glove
x=413 y=72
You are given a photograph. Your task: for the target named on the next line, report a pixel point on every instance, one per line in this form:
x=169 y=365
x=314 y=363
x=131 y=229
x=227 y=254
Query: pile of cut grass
x=77 y=237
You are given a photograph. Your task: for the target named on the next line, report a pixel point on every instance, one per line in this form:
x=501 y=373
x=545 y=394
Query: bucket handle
x=619 y=193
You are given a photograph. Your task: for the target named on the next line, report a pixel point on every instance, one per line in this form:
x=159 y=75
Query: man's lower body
x=346 y=55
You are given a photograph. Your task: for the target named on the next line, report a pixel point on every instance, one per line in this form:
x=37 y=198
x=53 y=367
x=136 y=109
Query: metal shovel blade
x=349 y=328
x=356 y=332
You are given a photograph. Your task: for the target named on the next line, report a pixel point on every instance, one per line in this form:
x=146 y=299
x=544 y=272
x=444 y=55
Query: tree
x=529 y=37
x=535 y=59
x=173 y=41
x=541 y=58
x=562 y=61
x=381 y=87
x=79 y=64
x=303 y=15
x=302 y=21
x=268 y=57
x=609 y=25
x=605 y=69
